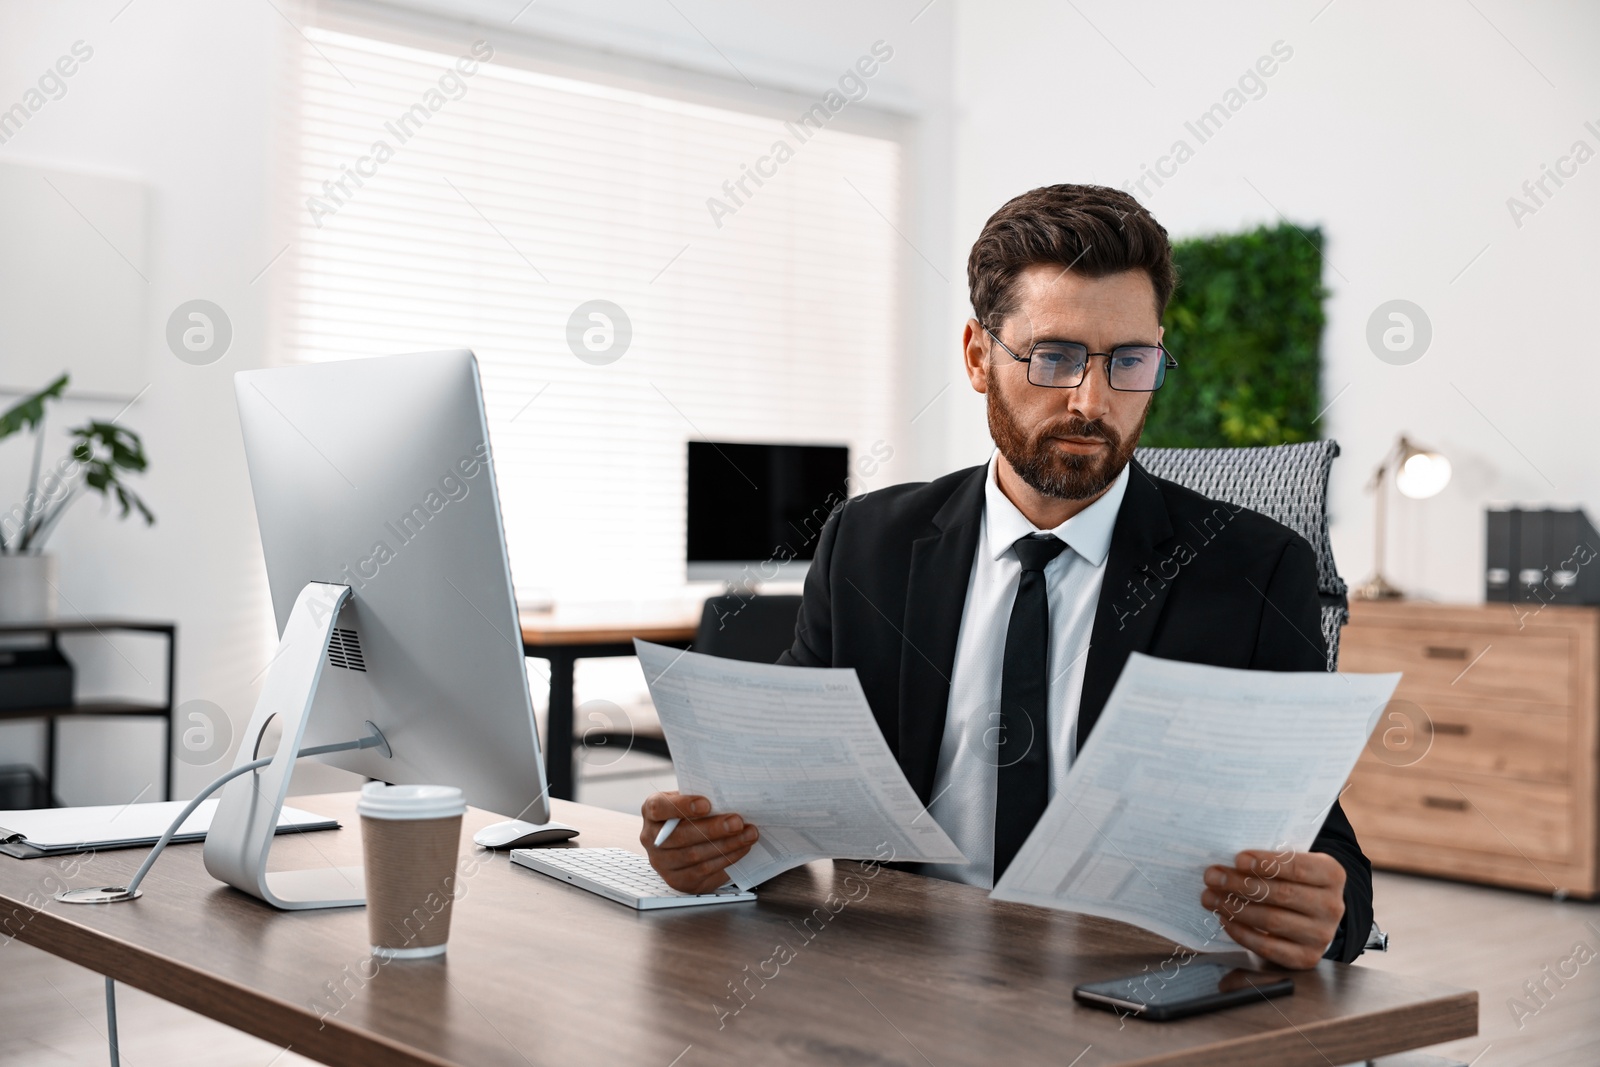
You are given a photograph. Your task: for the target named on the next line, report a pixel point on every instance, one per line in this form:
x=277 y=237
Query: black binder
x=1500 y=551
x=1545 y=556
x=1530 y=567
x=1574 y=558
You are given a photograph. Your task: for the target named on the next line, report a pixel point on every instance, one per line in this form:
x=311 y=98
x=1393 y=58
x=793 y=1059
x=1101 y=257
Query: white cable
x=166 y=838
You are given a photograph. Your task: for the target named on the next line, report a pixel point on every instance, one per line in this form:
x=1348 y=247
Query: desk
x=539 y=972
x=563 y=638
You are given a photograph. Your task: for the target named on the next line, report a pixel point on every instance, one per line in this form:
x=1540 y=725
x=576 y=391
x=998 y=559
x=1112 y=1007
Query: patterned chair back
x=1288 y=483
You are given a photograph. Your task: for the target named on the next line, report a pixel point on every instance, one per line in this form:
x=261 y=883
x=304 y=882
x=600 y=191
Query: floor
x=1495 y=941
x=52 y=1014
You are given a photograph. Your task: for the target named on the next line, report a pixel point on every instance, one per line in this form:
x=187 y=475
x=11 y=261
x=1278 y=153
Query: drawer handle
x=1447 y=803
x=1444 y=652
x=1455 y=729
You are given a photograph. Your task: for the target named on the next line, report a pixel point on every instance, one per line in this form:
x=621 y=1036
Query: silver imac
x=386 y=558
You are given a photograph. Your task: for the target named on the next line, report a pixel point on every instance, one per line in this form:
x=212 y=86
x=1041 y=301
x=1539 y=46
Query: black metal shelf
x=54 y=628
x=87 y=707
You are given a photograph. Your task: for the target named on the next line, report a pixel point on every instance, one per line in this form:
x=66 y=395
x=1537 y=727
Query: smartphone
x=1196 y=988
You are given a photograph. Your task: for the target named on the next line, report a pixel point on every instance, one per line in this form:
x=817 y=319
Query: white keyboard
x=619 y=875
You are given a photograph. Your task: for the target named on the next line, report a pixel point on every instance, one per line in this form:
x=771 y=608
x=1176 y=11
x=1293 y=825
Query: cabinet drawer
x=1507 y=665
x=1507 y=818
x=1528 y=746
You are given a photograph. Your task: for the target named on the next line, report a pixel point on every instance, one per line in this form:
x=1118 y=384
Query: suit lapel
x=936 y=595
x=1131 y=596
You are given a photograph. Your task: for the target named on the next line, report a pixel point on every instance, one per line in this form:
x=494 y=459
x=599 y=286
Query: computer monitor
x=376 y=476
x=756 y=510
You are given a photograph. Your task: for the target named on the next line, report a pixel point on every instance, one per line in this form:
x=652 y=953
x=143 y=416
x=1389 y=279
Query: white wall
x=1401 y=130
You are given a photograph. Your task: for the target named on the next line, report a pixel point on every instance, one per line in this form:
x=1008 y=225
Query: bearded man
x=989 y=612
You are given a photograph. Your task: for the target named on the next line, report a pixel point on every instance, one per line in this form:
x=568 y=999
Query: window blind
x=445 y=201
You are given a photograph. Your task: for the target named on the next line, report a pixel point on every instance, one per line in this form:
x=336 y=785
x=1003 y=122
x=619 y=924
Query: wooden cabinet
x=1486 y=765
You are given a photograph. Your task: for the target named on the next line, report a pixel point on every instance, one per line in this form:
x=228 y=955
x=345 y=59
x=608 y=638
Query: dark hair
x=1093 y=229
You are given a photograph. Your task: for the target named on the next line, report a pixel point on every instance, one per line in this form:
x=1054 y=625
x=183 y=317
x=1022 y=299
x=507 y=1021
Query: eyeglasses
x=1063 y=364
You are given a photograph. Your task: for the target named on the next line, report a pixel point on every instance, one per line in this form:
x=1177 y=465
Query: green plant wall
x=1245 y=325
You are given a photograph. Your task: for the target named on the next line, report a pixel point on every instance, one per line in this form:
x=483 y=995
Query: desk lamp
x=1418 y=473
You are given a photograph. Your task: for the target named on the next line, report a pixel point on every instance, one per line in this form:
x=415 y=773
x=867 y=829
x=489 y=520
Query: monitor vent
x=344 y=650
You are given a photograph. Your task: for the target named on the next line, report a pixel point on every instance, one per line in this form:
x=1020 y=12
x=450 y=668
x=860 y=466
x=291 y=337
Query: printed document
x=1188 y=766
x=795 y=751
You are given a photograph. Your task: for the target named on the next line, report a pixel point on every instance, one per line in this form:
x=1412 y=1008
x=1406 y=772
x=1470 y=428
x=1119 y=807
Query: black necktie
x=1024 y=749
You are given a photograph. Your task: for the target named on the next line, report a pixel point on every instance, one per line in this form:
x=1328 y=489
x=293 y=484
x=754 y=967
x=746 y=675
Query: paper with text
x=796 y=752
x=1188 y=766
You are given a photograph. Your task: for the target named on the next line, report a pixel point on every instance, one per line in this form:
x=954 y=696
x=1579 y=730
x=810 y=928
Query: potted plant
x=101 y=454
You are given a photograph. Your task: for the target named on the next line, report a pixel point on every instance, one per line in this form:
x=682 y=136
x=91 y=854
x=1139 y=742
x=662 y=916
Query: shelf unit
x=53 y=629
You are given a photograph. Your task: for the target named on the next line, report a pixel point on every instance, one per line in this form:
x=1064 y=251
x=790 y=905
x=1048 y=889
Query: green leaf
x=29 y=411
x=107 y=451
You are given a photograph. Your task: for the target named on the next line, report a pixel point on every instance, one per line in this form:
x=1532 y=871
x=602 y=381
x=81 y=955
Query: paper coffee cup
x=410 y=840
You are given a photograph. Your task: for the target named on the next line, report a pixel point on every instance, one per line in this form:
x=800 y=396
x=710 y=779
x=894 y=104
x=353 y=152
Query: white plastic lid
x=379 y=801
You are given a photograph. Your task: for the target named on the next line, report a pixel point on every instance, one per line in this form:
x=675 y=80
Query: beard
x=1046 y=469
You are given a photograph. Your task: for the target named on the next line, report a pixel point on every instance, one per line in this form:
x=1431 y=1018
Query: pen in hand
x=666 y=831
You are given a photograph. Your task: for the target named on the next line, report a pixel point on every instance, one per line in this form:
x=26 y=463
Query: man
x=988 y=613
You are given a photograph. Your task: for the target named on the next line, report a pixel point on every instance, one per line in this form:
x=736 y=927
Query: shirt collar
x=1088 y=533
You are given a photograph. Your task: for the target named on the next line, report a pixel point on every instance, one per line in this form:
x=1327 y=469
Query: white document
x=124 y=825
x=1188 y=766
x=796 y=752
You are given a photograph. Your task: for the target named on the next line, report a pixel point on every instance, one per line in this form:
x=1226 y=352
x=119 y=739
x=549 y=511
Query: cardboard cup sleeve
x=411 y=883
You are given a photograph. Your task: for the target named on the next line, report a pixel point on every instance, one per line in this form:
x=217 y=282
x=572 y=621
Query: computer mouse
x=519 y=834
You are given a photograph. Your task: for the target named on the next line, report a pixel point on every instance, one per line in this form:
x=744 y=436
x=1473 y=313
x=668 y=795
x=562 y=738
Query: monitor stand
x=246 y=819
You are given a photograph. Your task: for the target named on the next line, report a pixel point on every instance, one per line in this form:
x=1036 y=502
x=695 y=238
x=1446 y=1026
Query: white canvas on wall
x=73 y=281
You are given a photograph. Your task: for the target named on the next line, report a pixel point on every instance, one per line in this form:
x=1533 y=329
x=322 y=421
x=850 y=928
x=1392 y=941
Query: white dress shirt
x=964 y=785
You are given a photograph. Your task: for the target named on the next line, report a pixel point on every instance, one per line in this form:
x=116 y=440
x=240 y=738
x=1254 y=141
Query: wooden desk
x=539 y=972
x=563 y=638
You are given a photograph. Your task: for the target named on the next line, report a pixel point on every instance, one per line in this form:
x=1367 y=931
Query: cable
x=166 y=838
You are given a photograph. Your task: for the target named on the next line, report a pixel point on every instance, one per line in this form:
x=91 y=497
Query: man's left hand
x=1283 y=906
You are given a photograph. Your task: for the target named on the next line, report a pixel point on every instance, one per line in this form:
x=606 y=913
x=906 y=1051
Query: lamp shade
x=1422 y=474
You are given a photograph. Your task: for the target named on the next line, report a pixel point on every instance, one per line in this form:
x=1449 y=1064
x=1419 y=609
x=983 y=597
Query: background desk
x=539 y=972
x=563 y=639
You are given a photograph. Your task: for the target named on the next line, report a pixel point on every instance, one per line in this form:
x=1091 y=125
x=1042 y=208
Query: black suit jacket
x=1187 y=579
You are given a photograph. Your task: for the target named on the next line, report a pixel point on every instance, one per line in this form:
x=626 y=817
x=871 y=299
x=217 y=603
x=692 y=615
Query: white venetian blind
x=512 y=197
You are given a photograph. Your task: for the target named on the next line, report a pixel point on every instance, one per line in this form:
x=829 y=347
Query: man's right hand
x=695 y=858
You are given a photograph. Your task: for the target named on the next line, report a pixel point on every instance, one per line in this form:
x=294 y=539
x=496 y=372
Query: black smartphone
x=1195 y=988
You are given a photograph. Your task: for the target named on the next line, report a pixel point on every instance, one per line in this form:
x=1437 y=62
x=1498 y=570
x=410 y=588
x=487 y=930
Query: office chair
x=757 y=628
x=1288 y=483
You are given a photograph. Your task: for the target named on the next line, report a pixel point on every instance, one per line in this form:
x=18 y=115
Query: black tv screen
x=750 y=503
